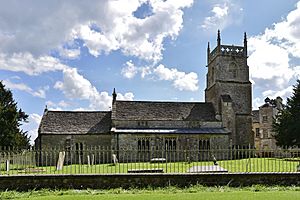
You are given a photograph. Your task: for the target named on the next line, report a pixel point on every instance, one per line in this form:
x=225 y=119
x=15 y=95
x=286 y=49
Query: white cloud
x=273 y=56
x=272 y=94
x=130 y=70
x=58 y=106
x=41 y=93
x=28 y=35
x=222 y=15
x=75 y=86
x=181 y=80
x=142 y=38
x=69 y=53
x=27 y=63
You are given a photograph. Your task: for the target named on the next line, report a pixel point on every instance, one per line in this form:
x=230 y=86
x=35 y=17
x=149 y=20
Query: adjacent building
x=262 y=124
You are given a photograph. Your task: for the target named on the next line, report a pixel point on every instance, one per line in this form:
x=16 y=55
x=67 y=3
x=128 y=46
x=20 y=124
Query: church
x=224 y=120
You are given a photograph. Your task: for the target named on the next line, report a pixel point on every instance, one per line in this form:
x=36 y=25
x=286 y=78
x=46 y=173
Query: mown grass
x=241 y=165
x=193 y=192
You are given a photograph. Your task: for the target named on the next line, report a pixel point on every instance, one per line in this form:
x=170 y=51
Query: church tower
x=229 y=89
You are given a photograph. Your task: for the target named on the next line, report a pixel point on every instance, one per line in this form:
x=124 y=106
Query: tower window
x=257 y=134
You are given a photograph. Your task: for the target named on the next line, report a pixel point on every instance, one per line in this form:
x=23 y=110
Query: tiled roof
x=69 y=122
x=151 y=110
x=255 y=115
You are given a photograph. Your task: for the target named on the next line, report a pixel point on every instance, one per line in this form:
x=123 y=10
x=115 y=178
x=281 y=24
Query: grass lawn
x=241 y=165
x=182 y=196
x=169 y=193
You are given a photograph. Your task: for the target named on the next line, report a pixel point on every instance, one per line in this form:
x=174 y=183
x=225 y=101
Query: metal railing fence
x=106 y=160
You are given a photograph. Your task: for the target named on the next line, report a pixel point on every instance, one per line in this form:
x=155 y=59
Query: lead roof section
x=73 y=122
x=173 y=111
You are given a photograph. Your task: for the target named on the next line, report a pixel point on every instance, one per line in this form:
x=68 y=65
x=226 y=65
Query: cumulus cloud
x=273 y=56
x=75 y=85
x=29 y=64
x=41 y=93
x=138 y=37
x=130 y=70
x=222 y=15
x=180 y=80
x=27 y=36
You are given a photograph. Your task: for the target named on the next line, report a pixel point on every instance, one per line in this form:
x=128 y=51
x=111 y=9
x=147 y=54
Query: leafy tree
x=286 y=125
x=10 y=120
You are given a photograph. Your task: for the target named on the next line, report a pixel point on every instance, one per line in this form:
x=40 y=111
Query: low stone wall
x=97 y=181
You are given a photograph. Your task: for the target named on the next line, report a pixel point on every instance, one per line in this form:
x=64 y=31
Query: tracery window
x=170 y=144
x=204 y=144
x=143 y=144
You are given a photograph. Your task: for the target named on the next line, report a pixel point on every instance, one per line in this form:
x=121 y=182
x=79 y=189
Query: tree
x=286 y=124
x=11 y=119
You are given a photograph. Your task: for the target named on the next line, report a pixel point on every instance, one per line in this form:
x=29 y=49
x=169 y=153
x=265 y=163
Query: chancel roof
x=154 y=110
x=75 y=122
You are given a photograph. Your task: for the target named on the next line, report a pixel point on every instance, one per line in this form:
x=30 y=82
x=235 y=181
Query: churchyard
x=99 y=161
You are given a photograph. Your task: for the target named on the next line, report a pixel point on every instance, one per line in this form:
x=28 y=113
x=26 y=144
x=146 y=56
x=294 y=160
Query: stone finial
x=46 y=109
x=114 y=94
x=208 y=53
x=219 y=38
x=245 y=43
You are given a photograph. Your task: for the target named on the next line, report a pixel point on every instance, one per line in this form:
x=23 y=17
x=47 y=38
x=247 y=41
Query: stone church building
x=223 y=120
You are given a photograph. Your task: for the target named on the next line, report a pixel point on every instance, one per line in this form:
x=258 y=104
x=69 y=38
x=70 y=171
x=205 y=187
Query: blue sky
x=70 y=55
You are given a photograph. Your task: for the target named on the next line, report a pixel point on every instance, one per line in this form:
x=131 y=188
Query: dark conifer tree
x=286 y=125
x=11 y=119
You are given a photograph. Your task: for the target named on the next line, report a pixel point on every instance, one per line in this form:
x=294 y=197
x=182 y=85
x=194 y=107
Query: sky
x=69 y=55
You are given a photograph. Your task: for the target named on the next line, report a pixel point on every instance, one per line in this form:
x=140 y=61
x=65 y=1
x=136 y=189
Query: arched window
x=143 y=144
x=204 y=144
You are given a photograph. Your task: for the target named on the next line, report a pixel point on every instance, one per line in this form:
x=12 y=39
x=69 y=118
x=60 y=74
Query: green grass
x=256 y=192
x=241 y=165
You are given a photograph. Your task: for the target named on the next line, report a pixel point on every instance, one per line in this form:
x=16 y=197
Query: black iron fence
x=106 y=160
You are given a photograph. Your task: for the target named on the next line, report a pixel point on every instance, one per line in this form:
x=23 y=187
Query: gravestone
x=7 y=165
x=93 y=159
x=60 y=161
x=207 y=169
x=114 y=159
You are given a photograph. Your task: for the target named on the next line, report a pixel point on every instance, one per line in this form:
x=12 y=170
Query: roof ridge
x=70 y=111
x=157 y=101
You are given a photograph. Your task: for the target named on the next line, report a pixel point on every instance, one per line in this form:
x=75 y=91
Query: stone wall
x=158 y=148
x=76 y=147
x=97 y=181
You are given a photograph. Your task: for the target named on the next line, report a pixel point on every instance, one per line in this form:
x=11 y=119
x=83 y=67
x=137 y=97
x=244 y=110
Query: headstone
x=207 y=169
x=7 y=165
x=88 y=160
x=114 y=159
x=158 y=160
x=93 y=159
x=60 y=161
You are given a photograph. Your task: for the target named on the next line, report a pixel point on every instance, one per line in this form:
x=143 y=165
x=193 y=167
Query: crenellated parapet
x=227 y=50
